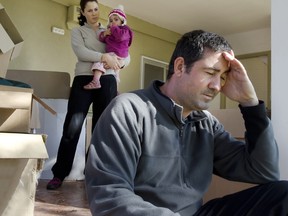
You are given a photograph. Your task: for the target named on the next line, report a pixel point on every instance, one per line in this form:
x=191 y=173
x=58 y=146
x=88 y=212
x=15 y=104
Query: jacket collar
x=173 y=109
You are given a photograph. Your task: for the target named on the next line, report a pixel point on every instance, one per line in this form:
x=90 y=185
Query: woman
x=88 y=49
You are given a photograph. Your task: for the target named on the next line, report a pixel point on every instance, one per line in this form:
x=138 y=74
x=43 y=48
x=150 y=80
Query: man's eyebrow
x=216 y=69
x=212 y=69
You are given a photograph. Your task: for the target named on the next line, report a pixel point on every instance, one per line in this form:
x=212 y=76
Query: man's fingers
x=229 y=56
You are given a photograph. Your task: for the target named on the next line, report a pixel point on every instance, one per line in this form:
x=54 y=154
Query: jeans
x=269 y=199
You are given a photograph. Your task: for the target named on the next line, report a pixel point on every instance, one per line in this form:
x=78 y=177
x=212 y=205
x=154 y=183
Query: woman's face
x=91 y=12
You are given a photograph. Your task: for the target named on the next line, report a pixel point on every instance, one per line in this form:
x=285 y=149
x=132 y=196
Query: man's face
x=198 y=87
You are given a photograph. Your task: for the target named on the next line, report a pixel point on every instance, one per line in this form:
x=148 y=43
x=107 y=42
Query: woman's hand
x=238 y=86
x=110 y=61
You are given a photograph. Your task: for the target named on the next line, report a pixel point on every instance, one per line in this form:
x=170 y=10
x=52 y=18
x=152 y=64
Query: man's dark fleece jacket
x=146 y=159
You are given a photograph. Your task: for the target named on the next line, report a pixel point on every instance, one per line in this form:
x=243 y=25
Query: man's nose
x=215 y=83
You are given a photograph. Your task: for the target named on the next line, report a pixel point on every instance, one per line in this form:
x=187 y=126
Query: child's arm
x=104 y=34
x=121 y=33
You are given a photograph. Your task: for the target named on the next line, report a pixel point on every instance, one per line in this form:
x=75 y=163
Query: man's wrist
x=249 y=103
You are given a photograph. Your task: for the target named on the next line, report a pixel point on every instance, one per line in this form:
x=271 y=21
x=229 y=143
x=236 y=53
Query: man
x=153 y=151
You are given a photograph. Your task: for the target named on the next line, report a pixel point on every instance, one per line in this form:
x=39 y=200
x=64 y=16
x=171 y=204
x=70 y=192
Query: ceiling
x=221 y=16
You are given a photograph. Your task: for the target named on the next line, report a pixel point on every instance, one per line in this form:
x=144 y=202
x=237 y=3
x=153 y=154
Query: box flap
x=16 y=50
x=11 y=41
x=9 y=27
x=17 y=145
x=4 y=62
x=5 y=43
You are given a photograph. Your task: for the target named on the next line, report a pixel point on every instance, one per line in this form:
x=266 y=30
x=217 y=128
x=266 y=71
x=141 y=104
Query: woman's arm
x=80 y=50
x=88 y=55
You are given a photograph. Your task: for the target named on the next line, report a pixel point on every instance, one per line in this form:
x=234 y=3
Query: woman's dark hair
x=191 y=47
x=82 y=19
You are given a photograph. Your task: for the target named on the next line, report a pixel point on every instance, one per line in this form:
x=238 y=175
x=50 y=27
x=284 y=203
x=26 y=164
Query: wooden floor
x=70 y=199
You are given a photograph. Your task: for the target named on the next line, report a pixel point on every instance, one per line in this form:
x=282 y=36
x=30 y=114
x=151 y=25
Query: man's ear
x=179 y=66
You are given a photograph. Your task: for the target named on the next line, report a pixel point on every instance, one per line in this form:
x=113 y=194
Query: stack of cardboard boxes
x=21 y=153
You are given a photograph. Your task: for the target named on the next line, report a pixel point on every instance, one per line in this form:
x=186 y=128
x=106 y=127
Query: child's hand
x=107 y=32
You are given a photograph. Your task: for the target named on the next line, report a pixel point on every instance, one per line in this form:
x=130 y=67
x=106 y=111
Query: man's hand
x=238 y=86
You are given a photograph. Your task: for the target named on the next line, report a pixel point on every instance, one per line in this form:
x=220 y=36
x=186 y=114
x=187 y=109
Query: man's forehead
x=209 y=52
x=213 y=60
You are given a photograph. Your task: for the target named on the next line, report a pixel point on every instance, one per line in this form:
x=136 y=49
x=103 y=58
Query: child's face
x=115 y=20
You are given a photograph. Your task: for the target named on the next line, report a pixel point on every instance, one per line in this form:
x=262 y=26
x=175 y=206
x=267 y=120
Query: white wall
x=53 y=127
x=251 y=42
x=279 y=79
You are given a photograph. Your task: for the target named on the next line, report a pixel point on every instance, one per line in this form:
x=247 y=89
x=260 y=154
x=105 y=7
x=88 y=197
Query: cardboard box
x=11 y=41
x=21 y=159
x=232 y=121
x=15 y=109
x=234 y=124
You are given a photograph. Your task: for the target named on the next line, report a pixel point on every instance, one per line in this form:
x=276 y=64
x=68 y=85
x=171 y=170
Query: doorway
x=152 y=69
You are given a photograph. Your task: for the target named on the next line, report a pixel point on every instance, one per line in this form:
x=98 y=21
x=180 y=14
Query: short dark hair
x=82 y=19
x=192 y=45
